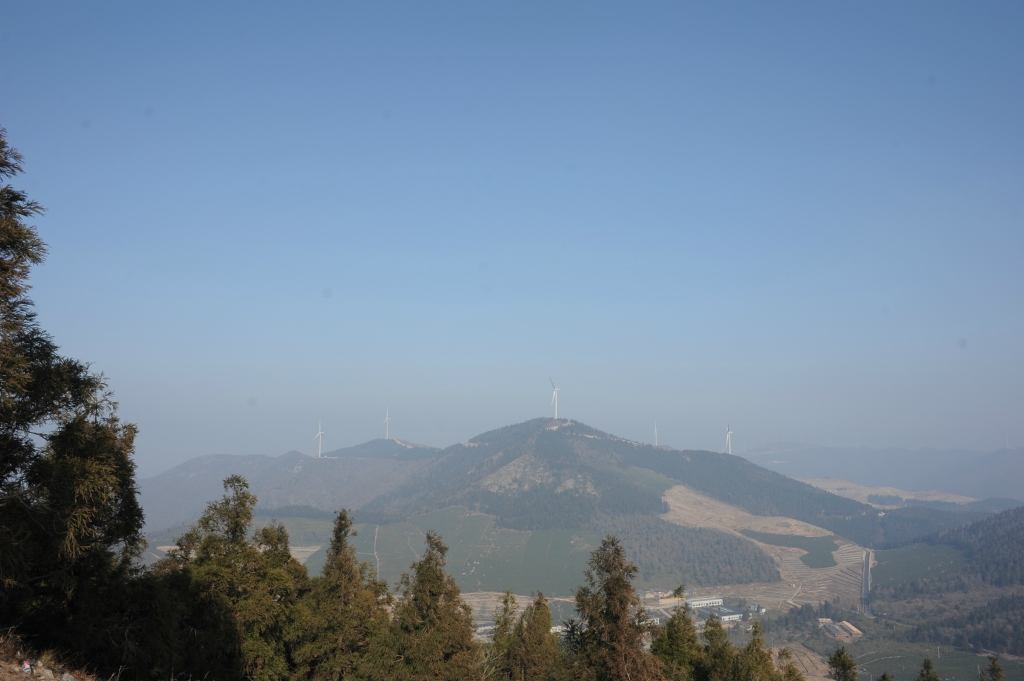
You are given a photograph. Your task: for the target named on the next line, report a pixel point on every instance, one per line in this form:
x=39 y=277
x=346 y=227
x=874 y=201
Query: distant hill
x=982 y=475
x=356 y=476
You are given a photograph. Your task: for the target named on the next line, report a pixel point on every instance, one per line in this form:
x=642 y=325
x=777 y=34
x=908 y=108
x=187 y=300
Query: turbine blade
x=553 y=384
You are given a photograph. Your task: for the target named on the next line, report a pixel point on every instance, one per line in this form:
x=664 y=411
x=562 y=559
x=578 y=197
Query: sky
x=802 y=220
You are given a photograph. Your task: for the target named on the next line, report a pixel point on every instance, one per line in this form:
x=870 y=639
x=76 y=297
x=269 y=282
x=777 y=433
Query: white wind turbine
x=387 y=424
x=554 y=398
x=728 y=439
x=320 y=435
x=655 y=433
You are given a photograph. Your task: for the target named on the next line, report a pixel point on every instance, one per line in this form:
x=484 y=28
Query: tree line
x=997 y=625
x=994 y=547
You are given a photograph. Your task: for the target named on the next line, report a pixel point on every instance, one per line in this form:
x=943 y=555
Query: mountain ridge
x=543 y=473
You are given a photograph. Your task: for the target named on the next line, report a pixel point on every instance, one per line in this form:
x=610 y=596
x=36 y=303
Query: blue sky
x=803 y=219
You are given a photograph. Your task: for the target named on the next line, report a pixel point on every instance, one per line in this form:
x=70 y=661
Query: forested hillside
x=696 y=556
x=994 y=547
x=998 y=625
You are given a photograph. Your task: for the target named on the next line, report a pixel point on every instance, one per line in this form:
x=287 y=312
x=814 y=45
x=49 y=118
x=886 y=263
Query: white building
x=710 y=602
x=722 y=613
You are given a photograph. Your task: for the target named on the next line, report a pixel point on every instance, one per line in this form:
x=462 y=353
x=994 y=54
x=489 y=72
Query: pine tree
x=720 y=656
x=530 y=650
x=842 y=666
x=431 y=631
x=678 y=647
x=607 y=643
x=994 y=672
x=241 y=590
x=70 y=522
x=754 y=661
x=336 y=618
x=788 y=670
x=928 y=672
x=499 y=665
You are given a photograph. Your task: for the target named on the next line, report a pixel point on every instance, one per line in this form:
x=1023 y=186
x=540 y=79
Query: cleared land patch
x=800 y=583
x=819 y=549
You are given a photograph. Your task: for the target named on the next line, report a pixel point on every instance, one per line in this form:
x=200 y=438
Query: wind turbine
x=655 y=433
x=387 y=424
x=554 y=398
x=728 y=439
x=319 y=434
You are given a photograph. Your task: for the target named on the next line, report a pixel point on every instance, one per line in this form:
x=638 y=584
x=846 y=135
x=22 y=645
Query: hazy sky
x=803 y=219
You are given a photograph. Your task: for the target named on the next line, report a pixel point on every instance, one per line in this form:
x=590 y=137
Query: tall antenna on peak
x=655 y=433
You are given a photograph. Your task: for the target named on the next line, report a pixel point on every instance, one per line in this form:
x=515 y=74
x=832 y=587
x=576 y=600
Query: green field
x=301 y=531
x=917 y=561
x=903 y=660
x=481 y=556
x=819 y=549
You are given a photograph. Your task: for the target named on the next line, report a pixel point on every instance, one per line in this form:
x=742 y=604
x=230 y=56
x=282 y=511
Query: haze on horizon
x=803 y=220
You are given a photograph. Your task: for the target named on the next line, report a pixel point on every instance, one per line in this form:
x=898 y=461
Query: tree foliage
x=431 y=632
x=607 y=642
x=994 y=546
x=343 y=609
x=842 y=666
x=70 y=521
x=524 y=647
x=994 y=671
x=240 y=589
x=997 y=625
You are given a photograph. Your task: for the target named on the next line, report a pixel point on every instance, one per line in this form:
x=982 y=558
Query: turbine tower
x=554 y=398
x=728 y=439
x=387 y=424
x=655 y=433
x=320 y=435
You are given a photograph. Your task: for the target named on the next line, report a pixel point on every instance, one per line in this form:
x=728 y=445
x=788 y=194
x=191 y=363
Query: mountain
x=524 y=504
x=551 y=474
x=351 y=478
x=969 y=473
